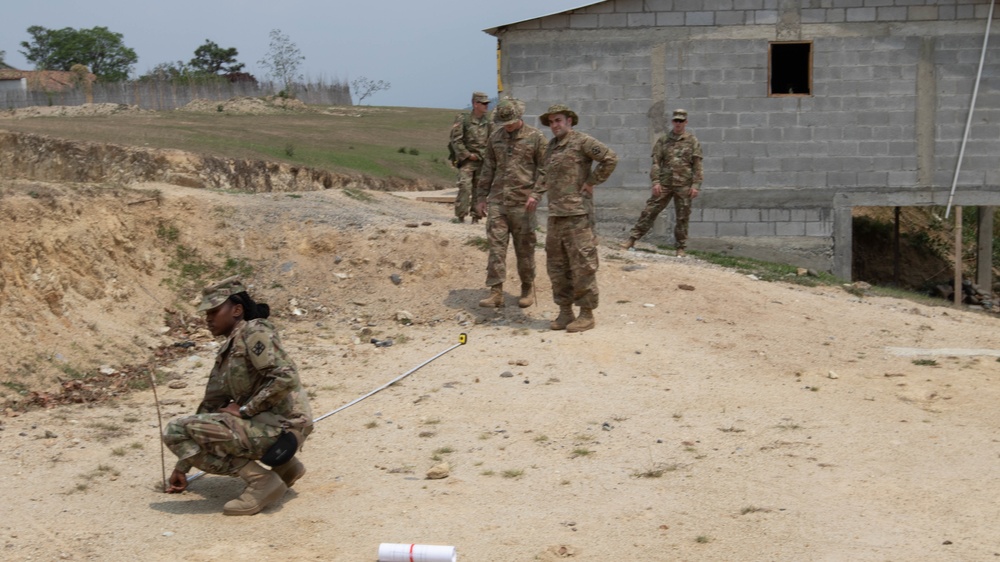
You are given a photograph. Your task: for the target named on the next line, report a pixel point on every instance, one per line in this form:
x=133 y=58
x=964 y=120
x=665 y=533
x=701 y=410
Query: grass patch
x=358 y=194
x=512 y=473
x=479 y=242
x=581 y=452
x=925 y=362
x=541 y=439
x=753 y=509
x=656 y=472
x=703 y=539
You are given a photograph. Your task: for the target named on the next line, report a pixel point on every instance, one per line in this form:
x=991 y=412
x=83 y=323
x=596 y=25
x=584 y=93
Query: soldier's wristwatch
x=243 y=412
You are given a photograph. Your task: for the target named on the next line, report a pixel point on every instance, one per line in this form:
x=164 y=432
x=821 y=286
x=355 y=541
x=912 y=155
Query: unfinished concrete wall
x=891 y=88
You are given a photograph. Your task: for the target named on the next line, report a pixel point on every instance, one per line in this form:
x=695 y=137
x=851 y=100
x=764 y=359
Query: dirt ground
x=740 y=420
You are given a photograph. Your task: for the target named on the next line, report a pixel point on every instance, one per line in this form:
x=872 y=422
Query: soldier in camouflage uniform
x=570 y=243
x=252 y=401
x=514 y=156
x=469 y=134
x=676 y=174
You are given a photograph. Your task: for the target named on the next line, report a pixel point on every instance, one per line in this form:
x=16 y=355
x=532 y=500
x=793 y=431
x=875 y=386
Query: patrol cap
x=508 y=112
x=215 y=295
x=680 y=115
x=558 y=108
x=480 y=97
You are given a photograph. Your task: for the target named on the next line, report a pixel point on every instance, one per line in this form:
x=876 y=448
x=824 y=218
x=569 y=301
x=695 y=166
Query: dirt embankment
x=42 y=158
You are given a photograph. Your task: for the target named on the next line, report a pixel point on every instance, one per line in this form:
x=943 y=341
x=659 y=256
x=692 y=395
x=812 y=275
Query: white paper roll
x=389 y=552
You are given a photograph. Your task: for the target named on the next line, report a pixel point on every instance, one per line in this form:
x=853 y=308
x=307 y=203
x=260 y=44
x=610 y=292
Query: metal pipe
x=972 y=107
x=462 y=339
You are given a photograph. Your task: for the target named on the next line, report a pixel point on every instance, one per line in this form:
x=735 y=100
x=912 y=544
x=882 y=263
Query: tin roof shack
x=60 y=86
x=804 y=108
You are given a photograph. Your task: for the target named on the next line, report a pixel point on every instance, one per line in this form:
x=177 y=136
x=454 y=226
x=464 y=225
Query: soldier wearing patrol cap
x=676 y=174
x=254 y=406
x=514 y=156
x=469 y=134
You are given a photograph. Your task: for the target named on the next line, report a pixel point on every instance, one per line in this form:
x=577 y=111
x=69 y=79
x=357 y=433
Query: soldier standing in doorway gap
x=676 y=174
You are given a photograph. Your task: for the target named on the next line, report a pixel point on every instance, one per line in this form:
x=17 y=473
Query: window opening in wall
x=790 y=69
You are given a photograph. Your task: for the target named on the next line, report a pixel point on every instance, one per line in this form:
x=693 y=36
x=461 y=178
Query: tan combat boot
x=627 y=245
x=495 y=300
x=564 y=319
x=527 y=295
x=290 y=472
x=263 y=488
x=584 y=322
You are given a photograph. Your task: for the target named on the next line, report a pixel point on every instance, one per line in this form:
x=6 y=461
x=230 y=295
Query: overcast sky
x=432 y=52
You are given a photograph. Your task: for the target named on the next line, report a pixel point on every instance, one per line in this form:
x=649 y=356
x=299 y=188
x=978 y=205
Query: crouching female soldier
x=254 y=406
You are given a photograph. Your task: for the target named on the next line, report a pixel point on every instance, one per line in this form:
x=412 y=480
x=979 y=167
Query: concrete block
x=738 y=164
x=583 y=21
x=810 y=179
x=761 y=165
x=965 y=12
x=731 y=229
x=842 y=179
x=717 y=5
x=558 y=21
x=824 y=228
x=699 y=18
x=701 y=230
x=891 y=14
x=627 y=5
x=717 y=215
x=611 y=21
x=641 y=20
x=873 y=148
x=796 y=164
x=777 y=215
x=876 y=3
x=875 y=180
x=765 y=17
x=733 y=17
x=783 y=149
x=737 y=135
x=659 y=5
x=689 y=5
x=813 y=16
x=721 y=180
x=669 y=19
x=753 y=150
x=748 y=4
x=925 y=13
x=790 y=229
x=836 y=15
x=752 y=119
x=906 y=178
x=767 y=134
x=747 y=215
x=760 y=229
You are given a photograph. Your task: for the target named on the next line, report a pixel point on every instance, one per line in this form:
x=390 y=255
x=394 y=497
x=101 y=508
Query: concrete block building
x=804 y=108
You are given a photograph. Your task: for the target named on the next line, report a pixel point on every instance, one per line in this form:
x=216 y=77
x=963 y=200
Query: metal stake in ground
x=462 y=339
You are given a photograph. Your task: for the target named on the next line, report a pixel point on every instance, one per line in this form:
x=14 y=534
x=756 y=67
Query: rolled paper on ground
x=389 y=552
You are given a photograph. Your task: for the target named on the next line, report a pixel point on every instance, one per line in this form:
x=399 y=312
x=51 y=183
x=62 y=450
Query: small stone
x=832 y=375
x=426 y=223
x=521 y=362
x=396 y=279
x=801 y=271
x=168 y=533
x=412 y=225
x=649 y=305
x=506 y=374
x=107 y=370
x=439 y=471
x=177 y=384
x=685 y=287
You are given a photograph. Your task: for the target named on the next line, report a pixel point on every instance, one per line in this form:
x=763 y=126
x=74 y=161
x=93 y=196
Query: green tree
x=282 y=60
x=100 y=50
x=213 y=59
x=364 y=87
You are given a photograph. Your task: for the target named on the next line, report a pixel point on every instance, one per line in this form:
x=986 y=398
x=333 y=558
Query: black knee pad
x=282 y=451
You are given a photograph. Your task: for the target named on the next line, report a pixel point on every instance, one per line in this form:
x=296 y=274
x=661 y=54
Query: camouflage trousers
x=503 y=223
x=218 y=443
x=468 y=177
x=655 y=204
x=571 y=249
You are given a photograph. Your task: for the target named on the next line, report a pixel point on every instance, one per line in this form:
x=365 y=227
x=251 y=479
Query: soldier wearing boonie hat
x=254 y=406
x=514 y=156
x=570 y=242
x=676 y=174
x=469 y=134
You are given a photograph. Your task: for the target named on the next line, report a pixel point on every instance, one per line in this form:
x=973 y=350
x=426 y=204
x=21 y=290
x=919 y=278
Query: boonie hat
x=558 y=108
x=680 y=115
x=480 y=97
x=215 y=295
x=508 y=112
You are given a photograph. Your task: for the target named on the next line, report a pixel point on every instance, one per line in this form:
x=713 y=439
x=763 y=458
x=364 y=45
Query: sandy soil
x=742 y=420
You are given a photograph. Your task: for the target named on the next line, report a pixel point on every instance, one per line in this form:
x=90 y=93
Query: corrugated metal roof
x=493 y=30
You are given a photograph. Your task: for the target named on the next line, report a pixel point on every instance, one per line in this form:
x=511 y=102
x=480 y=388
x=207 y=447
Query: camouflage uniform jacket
x=512 y=164
x=469 y=135
x=677 y=160
x=568 y=167
x=253 y=370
